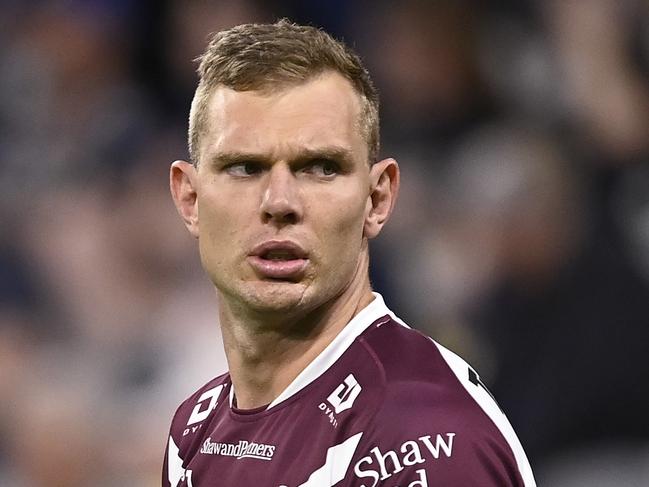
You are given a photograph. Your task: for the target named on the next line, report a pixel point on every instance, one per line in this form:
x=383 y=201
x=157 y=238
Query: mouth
x=280 y=260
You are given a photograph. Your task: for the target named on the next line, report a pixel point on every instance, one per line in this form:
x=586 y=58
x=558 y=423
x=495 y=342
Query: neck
x=264 y=356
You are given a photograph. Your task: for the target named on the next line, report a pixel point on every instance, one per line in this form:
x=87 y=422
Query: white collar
x=358 y=324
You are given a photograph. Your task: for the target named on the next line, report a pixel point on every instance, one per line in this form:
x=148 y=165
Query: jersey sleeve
x=184 y=434
x=438 y=425
x=509 y=451
x=172 y=466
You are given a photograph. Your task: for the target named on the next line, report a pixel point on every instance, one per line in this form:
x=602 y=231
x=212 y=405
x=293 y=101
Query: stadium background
x=521 y=238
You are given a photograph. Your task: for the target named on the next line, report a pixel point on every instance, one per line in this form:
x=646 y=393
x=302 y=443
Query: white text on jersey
x=409 y=453
x=243 y=449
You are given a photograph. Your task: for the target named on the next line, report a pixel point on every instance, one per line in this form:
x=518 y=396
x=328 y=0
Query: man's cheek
x=346 y=219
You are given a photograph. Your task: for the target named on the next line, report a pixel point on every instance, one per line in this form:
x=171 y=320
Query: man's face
x=283 y=194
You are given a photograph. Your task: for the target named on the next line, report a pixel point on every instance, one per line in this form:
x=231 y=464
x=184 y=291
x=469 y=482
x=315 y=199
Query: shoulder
x=436 y=411
x=200 y=404
x=419 y=373
x=416 y=369
x=187 y=424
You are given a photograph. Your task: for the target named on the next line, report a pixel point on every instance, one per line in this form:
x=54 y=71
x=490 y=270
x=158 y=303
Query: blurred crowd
x=521 y=238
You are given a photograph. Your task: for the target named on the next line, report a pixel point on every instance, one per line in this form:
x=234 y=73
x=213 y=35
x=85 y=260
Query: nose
x=280 y=202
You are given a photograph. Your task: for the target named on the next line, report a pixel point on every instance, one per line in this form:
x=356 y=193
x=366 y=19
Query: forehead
x=321 y=112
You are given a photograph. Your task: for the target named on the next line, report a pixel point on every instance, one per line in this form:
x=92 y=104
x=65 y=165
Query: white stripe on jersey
x=338 y=459
x=484 y=399
x=175 y=468
x=480 y=395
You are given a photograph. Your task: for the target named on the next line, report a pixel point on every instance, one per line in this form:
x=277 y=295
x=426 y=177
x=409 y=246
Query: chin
x=276 y=297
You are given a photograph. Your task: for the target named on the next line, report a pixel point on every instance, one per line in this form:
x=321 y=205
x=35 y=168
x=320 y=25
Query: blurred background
x=521 y=238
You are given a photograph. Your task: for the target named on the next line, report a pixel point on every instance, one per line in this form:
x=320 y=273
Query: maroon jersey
x=381 y=406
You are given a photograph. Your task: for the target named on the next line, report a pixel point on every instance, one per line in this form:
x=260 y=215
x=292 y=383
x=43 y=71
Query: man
x=326 y=386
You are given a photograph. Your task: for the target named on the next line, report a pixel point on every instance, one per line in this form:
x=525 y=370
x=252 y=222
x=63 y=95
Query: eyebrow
x=336 y=153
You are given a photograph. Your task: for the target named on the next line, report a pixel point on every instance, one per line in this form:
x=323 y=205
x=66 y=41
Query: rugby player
x=326 y=386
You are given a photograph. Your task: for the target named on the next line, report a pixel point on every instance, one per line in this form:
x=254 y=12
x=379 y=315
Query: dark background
x=521 y=238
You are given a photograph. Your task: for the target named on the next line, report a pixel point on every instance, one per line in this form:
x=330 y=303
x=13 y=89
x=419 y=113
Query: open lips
x=274 y=259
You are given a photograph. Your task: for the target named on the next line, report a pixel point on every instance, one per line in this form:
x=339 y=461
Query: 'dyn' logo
x=345 y=394
x=341 y=399
x=203 y=409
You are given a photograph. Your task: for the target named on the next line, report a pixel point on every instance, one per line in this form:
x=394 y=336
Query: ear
x=384 y=188
x=182 y=182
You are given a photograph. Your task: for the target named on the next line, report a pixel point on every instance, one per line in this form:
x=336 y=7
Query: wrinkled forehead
x=324 y=111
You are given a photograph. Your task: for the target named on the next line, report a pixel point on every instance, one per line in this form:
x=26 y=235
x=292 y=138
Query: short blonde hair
x=272 y=56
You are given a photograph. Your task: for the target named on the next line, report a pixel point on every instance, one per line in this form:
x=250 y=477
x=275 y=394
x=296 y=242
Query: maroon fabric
x=419 y=426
